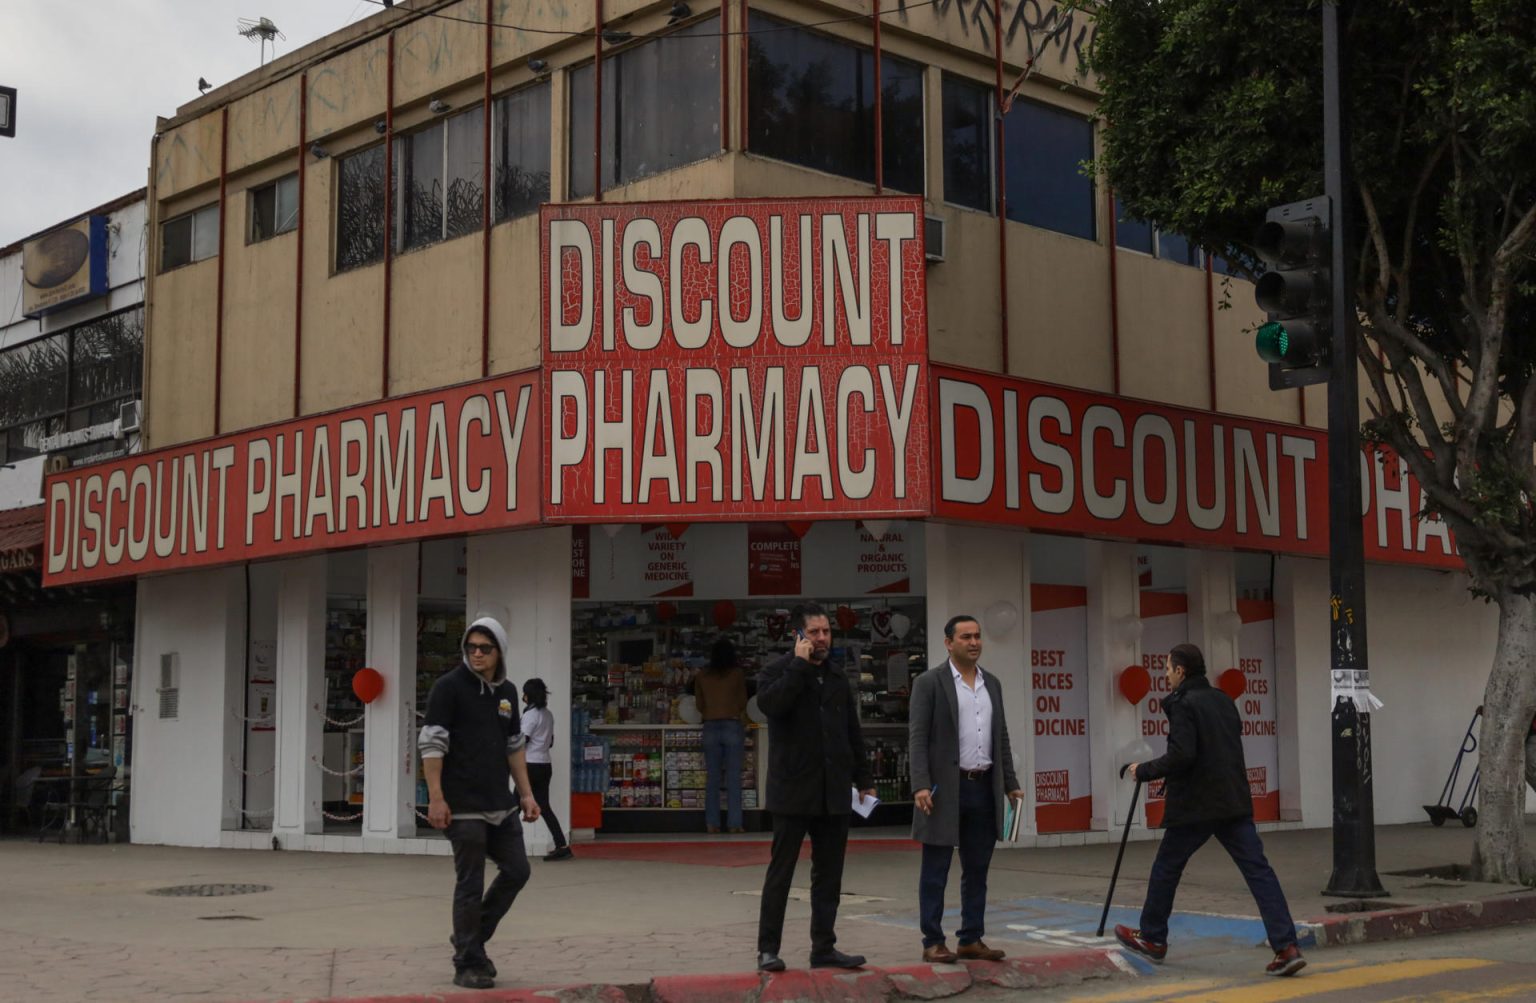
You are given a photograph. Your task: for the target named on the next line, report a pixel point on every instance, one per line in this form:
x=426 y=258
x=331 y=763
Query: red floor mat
x=722 y=853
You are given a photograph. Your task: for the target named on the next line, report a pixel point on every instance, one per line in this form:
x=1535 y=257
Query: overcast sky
x=92 y=75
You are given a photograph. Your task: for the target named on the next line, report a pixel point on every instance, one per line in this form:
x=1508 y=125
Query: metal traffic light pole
x=1354 y=813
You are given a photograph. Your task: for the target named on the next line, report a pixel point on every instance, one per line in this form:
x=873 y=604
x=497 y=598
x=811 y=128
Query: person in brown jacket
x=720 y=691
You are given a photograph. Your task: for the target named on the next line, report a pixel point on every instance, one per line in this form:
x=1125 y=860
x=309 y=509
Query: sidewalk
x=79 y=921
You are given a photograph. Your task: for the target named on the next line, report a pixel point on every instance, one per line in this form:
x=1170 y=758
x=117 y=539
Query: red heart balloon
x=1134 y=683
x=367 y=684
x=665 y=611
x=846 y=617
x=1232 y=683
x=724 y=613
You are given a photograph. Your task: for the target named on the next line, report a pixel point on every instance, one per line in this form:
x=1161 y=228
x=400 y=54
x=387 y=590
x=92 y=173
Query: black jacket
x=478 y=725
x=815 y=747
x=1206 y=778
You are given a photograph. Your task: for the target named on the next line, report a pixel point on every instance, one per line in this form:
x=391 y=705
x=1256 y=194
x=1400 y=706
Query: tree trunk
x=1508 y=704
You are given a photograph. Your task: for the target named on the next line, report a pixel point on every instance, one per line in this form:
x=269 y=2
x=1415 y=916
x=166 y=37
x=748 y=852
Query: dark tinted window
x=274 y=208
x=523 y=151
x=661 y=108
x=968 y=144
x=419 y=198
x=811 y=101
x=1172 y=247
x=360 y=208
x=1045 y=152
x=1132 y=234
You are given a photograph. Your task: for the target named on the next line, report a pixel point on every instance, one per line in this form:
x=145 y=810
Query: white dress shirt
x=975 y=706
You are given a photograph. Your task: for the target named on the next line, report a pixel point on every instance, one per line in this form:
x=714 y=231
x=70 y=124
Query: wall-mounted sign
x=1261 y=733
x=1058 y=665
x=7 y=111
x=65 y=266
x=1071 y=461
x=446 y=462
x=735 y=360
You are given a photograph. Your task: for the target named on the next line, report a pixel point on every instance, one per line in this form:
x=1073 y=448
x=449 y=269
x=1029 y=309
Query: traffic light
x=1296 y=242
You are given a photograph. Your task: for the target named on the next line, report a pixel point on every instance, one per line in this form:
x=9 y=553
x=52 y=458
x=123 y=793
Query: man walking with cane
x=1206 y=794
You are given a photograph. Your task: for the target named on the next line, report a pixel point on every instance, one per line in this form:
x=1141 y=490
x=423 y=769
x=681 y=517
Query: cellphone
x=799 y=634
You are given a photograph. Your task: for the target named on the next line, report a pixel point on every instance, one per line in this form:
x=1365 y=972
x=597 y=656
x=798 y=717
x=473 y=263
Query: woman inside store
x=721 y=694
x=539 y=726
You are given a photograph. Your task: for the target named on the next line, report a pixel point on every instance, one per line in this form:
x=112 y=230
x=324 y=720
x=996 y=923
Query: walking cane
x=1115 y=875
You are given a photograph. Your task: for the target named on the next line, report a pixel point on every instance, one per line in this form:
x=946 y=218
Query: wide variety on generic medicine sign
x=735 y=360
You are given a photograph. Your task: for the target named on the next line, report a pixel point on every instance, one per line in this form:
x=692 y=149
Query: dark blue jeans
x=724 y=743
x=1241 y=841
x=978 y=838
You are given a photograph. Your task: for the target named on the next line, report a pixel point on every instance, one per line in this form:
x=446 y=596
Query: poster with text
x=1165 y=622
x=773 y=559
x=1256 y=707
x=1059 y=674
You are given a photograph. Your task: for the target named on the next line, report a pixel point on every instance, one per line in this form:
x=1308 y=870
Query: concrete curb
x=819 y=985
x=1421 y=921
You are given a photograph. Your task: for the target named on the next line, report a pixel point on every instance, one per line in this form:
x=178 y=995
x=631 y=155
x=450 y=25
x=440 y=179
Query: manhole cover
x=209 y=891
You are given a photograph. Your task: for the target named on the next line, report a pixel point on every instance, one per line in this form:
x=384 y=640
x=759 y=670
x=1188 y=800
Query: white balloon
x=755 y=713
x=1000 y=618
x=900 y=624
x=688 y=710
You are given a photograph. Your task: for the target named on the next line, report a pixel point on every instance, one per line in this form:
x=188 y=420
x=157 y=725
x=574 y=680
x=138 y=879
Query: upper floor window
x=1045 y=152
x=661 y=108
x=360 y=208
x=192 y=236
x=522 y=150
x=1139 y=235
x=274 y=208
x=968 y=136
x=811 y=101
x=439 y=181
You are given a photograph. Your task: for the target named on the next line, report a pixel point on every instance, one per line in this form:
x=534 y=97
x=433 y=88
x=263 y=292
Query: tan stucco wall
x=259 y=281
x=264 y=125
x=436 y=325
x=179 y=368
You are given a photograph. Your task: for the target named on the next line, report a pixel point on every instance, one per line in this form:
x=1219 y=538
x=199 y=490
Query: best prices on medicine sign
x=735 y=360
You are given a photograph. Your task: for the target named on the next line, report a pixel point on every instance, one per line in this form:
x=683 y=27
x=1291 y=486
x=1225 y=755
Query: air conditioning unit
x=933 y=236
x=128 y=418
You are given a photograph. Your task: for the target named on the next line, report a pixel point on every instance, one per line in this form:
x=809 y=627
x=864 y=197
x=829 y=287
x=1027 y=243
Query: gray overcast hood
x=493 y=627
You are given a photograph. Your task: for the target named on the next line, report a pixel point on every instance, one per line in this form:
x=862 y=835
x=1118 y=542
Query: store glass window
x=274 y=209
x=661 y=108
x=812 y=102
x=1046 y=152
x=71 y=380
x=522 y=154
x=968 y=137
x=360 y=208
x=440 y=624
x=439 y=186
x=192 y=236
x=1132 y=234
x=346 y=651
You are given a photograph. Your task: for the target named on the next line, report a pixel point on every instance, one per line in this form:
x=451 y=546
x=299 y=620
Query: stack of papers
x=1013 y=818
x=865 y=806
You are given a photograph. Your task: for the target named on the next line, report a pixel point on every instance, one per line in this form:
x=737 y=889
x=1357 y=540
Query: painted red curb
x=818 y=985
x=1422 y=921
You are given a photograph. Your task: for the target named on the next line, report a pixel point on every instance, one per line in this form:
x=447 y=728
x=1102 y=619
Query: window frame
x=991 y=156
x=338 y=179
x=255 y=192
x=1094 y=209
x=191 y=216
x=499 y=102
x=404 y=141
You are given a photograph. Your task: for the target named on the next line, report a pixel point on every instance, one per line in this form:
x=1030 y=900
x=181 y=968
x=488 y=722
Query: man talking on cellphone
x=815 y=760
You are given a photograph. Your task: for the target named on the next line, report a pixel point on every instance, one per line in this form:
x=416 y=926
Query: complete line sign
x=7 y=111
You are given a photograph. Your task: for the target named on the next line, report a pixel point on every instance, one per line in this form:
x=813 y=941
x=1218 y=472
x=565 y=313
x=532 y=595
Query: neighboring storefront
x=71 y=361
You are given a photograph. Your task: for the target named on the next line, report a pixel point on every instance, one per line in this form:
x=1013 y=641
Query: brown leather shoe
x=979 y=951
x=939 y=954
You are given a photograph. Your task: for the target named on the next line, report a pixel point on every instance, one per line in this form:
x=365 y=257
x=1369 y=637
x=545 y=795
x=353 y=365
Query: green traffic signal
x=1272 y=341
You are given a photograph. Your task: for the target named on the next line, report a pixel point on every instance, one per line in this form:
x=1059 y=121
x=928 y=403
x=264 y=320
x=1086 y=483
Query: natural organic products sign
x=1058 y=663
x=457 y=460
x=735 y=360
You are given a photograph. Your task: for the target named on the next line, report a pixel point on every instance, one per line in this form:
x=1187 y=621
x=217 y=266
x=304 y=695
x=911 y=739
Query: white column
x=300 y=696
x=1213 y=622
x=389 y=733
x=1114 y=642
x=1302 y=691
x=972 y=569
x=523 y=579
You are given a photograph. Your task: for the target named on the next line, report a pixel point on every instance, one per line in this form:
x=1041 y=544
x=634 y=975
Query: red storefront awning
x=21 y=538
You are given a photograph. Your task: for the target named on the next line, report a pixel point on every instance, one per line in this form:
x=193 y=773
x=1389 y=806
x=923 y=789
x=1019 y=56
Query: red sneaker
x=1133 y=941
x=1287 y=962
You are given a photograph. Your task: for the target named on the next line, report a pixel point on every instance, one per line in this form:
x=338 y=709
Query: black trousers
x=829 y=841
x=475 y=916
x=539 y=775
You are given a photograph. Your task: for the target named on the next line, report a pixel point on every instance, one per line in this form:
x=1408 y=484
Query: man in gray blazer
x=962 y=767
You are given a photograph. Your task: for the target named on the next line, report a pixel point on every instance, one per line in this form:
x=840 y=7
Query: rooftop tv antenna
x=261 y=30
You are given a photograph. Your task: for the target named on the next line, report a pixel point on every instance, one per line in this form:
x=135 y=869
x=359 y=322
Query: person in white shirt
x=962 y=768
x=539 y=726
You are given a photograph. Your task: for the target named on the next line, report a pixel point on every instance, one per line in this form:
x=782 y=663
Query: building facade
x=633 y=325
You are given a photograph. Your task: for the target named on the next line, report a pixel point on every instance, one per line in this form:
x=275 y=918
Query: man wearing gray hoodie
x=470 y=744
